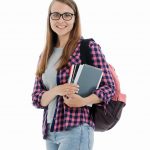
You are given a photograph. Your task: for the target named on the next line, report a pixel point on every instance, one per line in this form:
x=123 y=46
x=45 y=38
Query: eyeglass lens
x=66 y=16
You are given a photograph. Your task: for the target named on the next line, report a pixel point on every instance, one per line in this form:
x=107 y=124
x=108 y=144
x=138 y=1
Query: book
x=71 y=73
x=76 y=67
x=88 y=78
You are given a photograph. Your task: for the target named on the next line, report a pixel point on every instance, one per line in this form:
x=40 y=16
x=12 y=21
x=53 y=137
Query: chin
x=62 y=33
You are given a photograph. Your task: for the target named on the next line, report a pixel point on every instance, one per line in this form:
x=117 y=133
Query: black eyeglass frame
x=61 y=15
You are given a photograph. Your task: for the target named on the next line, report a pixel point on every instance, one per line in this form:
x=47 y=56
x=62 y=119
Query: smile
x=61 y=27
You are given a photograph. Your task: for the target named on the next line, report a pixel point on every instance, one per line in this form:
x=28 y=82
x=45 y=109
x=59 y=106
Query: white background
x=122 y=28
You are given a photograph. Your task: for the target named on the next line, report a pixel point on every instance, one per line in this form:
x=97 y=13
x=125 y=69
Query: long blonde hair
x=51 y=40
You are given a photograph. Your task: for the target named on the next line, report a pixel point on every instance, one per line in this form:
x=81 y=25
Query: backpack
x=105 y=116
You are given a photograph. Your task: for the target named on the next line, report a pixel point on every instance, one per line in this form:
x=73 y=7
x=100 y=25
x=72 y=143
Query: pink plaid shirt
x=65 y=116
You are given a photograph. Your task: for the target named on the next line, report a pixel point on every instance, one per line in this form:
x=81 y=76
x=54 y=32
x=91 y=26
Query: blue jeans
x=76 y=138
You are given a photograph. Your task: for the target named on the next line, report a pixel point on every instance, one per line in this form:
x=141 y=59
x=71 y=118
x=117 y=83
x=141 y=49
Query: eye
x=66 y=15
x=55 y=14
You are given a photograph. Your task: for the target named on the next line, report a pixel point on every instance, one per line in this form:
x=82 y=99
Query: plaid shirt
x=65 y=116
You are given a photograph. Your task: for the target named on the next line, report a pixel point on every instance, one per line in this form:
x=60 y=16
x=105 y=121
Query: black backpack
x=105 y=116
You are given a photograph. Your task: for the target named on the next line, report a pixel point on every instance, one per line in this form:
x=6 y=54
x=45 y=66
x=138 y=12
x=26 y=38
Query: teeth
x=61 y=27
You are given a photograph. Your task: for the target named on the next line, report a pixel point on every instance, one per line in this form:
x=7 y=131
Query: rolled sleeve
x=106 y=89
x=38 y=91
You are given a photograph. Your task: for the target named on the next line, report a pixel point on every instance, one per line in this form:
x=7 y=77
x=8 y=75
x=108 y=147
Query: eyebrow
x=62 y=13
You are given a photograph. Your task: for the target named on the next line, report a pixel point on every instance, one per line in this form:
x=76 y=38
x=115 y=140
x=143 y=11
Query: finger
x=69 y=96
x=69 y=89
x=66 y=91
x=65 y=97
x=73 y=85
x=73 y=91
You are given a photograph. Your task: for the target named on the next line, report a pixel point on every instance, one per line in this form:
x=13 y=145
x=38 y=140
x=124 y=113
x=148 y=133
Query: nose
x=61 y=19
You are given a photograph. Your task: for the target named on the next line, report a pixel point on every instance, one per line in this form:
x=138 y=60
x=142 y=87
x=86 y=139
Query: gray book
x=88 y=78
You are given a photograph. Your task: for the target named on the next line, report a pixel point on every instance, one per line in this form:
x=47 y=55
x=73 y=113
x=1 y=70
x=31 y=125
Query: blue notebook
x=88 y=78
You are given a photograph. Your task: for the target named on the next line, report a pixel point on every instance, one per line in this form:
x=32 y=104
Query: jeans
x=76 y=138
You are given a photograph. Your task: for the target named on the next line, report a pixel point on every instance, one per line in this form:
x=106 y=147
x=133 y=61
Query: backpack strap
x=85 y=52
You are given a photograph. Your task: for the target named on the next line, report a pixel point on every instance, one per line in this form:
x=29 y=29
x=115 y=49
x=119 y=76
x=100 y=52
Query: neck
x=62 y=40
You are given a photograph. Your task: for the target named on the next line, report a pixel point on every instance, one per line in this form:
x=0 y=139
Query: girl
x=67 y=124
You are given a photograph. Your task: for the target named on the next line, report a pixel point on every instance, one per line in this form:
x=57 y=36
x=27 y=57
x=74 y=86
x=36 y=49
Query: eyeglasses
x=66 y=16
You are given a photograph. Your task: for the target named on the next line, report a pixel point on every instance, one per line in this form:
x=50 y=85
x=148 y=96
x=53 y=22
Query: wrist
x=87 y=101
x=54 y=91
x=92 y=99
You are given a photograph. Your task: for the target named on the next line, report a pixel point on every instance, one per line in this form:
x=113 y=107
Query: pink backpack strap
x=118 y=95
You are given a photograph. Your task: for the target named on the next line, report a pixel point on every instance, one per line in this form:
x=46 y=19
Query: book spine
x=70 y=73
x=78 y=73
x=99 y=81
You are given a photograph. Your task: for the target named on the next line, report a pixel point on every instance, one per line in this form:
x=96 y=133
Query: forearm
x=48 y=96
x=92 y=99
x=60 y=90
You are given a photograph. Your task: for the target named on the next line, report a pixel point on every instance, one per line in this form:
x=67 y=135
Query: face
x=61 y=27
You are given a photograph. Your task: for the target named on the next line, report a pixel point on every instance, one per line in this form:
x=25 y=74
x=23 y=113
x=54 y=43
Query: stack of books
x=87 y=77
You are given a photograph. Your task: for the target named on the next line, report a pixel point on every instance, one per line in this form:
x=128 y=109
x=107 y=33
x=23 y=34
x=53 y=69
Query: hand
x=74 y=100
x=67 y=89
